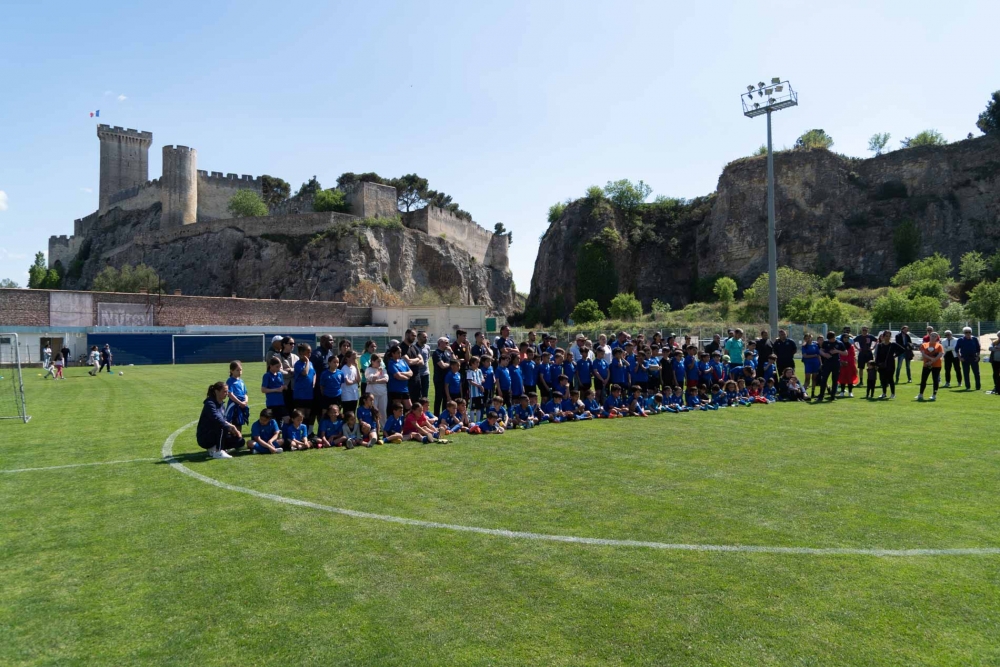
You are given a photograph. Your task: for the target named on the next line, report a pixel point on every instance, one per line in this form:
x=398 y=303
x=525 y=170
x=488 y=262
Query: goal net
x=11 y=384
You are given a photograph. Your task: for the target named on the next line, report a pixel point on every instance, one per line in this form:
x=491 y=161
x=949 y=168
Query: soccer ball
x=121 y=372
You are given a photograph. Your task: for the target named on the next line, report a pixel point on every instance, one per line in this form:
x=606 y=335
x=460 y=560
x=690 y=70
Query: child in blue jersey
x=580 y=410
x=640 y=372
x=294 y=432
x=568 y=405
x=550 y=408
x=238 y=410
x=503 y=415
x=629 y=359
x=613 y=403
x=463 y=413
x=743 y=393
x=489 y=378
x=265 y=434
x=705 y=375
x=368 y=415
x=692 y=373
x=584 y=370
x=529 y=371
x=719 y=397
x=331 y=428
x=393 y=431
x=516 y=380
x=731 y=393
x=677 y=365
x=477 y=397
x=331 y=385
x=592 y=405
x=770 y=391
x=544 y=369
x=569 y=367
x=601 y=373
x=692 y=401
x=675 y=401
x=489 y=426
x=768 y=369
x=453 y=382
x=618 y=368
x=653 y=366
x=637 y=404
x=556 y=373
x=353 y=435
x=503 y=378
x=718 y=371
x=303 y=381
x=450 y=420
x=523 y=414
x=750 y=355
x=425 y=407
x=272 y=385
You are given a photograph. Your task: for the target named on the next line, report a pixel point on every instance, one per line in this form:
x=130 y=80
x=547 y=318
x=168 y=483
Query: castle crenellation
x=190 y=198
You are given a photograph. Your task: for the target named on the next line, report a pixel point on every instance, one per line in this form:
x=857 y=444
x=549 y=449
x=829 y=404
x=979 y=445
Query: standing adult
x=480 y=347
x=376 y=382
x=425 y=370
x=602 y=342
x=504 y=343
x=950 y=359
x=574 y=349
x=784 y=349
x=441 y=360
x=714 y=346
x=968 y=350
x=811 y=363
x=927 y=335
x=995 y=363
x=848 y=367
x=273 y=351
x=106 y=358
x=764 y=347
x=932 y=355
x=830 y=352
x=415 y=362
x=463 y=352
x=885 y=361
x=320 y=359
x=288 y=360
x=734 y=347
x=65 y=351
x=904 y=341
x=214 y=434
x=370 y=348
x=533 y=342
x=865 y=346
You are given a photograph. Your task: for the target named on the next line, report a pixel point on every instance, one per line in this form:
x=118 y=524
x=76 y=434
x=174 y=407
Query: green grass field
x=135 y=563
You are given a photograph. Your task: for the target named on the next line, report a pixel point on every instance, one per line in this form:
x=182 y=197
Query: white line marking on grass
x=76 y=465
x=168 y=456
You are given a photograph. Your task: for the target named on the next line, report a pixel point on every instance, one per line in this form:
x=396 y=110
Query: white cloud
x=87 y=190
x=3 y=200
x=122 y=98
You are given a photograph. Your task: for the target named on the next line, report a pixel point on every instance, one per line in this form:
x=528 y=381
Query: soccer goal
x=12 y=404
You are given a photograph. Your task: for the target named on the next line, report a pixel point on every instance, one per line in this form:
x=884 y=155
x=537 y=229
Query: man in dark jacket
x=764 y=347
x=968 y=349
x=785 y=349
x=904 y=341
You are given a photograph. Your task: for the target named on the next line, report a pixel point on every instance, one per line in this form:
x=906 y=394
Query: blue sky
x=509 y=107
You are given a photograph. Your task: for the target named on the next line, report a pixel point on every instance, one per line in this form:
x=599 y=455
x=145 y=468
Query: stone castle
x=186 y=202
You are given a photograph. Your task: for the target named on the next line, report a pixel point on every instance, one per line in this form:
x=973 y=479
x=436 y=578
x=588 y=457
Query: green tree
x=984 y=301
x=791 y=283
x=310 y=187
x=762 y=150
x=831 y=283
x=936 y=267
x=625 y=307
x=972 y=267
x=830 y=311
x=556 y=211
x=331 y=200
x=38 y=272
x=925 y=309
x=350 y=178
x=596 y=276
x=893 y=307
x=878 y=142
x=627 y=196
x=925 y=138
x=906 y=242
x=989 y=120
x=594 y=194
x=659 y=307
x=586 y=311
x=926 y=287
x=129 y=279
x=8 y=283
x=953 y=312
x=411 y=191
x=725 y=290
x=274 y=190
x=500 y=230
x=817 y=138
x=247 y=204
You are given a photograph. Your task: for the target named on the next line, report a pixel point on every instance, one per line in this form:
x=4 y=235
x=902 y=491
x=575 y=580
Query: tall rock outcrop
x=863 y=217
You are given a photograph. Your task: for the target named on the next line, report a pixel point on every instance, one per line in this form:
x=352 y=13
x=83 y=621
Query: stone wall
x=30 y=308
x=372 y=200
x=124 y=161
x=469 y=236
x=215 y=191
x=136 y=198
x=63 y=249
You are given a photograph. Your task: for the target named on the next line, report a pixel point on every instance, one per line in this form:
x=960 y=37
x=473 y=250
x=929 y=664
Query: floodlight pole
x=772 y=246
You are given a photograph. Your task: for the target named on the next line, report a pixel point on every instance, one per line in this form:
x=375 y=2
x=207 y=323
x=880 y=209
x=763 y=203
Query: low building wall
x=31 y=308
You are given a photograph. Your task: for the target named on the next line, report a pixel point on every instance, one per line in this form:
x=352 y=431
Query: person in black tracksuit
x=831 y=350
x=886 y=351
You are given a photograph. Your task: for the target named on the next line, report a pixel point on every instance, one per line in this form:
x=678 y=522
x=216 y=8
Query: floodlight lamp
x=769 y=90
x=775 y=79
x=750 y=87
x=779 y=88
x=756 y=106
x=760 y=93
x=771 y=100
x=760 y=85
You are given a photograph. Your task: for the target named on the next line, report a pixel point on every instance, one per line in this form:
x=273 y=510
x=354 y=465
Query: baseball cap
x=276 y=339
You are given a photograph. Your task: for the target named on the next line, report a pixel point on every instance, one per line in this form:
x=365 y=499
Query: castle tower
x=124 y=160
x=179 y=187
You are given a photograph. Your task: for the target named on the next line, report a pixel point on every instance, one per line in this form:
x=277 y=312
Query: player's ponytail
x=212 y=388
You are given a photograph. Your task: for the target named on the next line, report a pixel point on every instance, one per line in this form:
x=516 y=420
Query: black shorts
x=528 y=388
x=303 y=403
x=398 y=396
x=477 y=403
x=278 y=412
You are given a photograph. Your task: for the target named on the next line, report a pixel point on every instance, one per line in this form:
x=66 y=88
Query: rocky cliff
x=863 y=217
x=321 y=262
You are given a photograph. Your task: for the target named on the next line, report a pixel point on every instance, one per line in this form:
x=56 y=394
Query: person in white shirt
x=376 y=384
x=574 y=349
x=602 y=341
x=951 y=359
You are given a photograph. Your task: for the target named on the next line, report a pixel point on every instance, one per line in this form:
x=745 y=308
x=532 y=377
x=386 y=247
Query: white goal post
x=12 y=405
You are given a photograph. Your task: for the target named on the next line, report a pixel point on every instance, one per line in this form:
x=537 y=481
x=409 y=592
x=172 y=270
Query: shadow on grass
x=197 y=457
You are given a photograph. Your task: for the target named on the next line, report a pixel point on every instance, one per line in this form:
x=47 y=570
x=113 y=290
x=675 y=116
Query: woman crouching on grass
x=215 y=434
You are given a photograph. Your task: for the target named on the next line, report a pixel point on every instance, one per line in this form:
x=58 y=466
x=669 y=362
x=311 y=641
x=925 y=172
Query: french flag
x=95 y=113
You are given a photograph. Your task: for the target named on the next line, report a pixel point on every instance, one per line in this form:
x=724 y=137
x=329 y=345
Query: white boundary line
x=168 y=455
x=76 y=465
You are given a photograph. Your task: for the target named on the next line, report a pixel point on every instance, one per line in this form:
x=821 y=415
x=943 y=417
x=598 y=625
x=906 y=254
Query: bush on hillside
x=247 y=204
x=984 y=301
x=331 y=200
x=936 y=267
x=625 y=307
x=586 y=311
